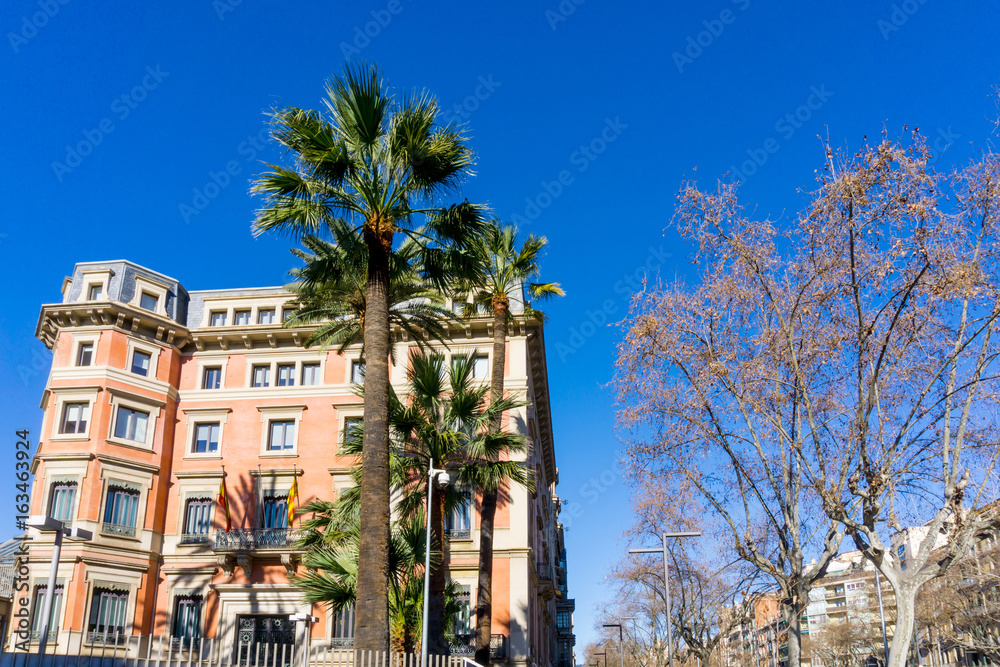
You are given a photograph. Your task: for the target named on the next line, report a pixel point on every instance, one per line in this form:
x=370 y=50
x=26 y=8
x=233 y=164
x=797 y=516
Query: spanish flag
x=224 y=503
x=293 y=499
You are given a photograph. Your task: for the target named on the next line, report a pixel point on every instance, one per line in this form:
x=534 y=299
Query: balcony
x=256 y=539
x=239 y=548
x=546 y=586
x=465 y=645
x=117 y=530
x=190 y=538
x=544 y=571
x=459 y=534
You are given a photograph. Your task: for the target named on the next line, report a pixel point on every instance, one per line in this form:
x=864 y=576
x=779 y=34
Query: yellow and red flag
x=224 y=503
x=293 y=499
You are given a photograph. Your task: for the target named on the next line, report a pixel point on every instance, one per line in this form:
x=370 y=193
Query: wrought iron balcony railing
x=191 y=538
x=255 y=539
x=544 y=571
x=465 y=645
x=117 y=529
x=459 y=533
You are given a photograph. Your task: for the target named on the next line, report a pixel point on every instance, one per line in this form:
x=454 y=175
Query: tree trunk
x=900 y=646
x=793 y=630
x=372 y=606
x=436 y=644
x=488 y=508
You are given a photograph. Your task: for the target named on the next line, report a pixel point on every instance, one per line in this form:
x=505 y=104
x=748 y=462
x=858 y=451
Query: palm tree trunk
x=436 y=644
x=488 y=509
x=372 y=620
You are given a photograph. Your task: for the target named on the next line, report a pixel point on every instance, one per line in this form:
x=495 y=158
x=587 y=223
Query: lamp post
x=621 y=654
x=45 y=524
x=434 y=476
x=666 y=583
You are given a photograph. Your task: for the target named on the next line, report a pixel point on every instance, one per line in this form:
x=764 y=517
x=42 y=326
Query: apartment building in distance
x=157 y=394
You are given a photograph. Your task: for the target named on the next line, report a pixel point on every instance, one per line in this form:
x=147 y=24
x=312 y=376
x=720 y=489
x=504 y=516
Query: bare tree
x=836 y=374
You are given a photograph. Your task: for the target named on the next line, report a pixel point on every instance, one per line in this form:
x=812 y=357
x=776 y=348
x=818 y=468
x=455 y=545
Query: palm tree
x=331 y=290
x=504 y=272
x=332 y=560
x=444 y=418
x=377 y=163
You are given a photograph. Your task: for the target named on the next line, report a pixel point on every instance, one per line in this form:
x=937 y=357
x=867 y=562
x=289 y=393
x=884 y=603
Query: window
x=206 y=438
x=131 y=424
x=275 y=512
x=286 y=375
x=481 y=367
x=85 y=354
x=358 y=372
x=148 y=301
x=310 y=374
x=343 y=627
x=197 y=520
x=353 y=431
x=94 y=292
x=262 y=376
x=187 y=617
x=901 y=552
x=457 y=523
x=242 y=317
x=562 y=619
x=120 y=510
x=265 y=316
x=211 y=377
x=62 y=500
x=281 y=435
x=75 y=417
x=140 y=362
x=107 y=615
x=218 y=318
x=462 y=623
x=38 y=611
x=286 y=313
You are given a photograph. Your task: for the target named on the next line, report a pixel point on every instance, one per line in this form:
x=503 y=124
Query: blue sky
x=132 y=130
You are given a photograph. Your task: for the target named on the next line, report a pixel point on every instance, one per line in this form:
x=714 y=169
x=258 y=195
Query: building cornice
x=124 y=317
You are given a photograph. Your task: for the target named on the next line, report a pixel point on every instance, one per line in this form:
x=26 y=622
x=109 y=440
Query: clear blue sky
x=618 y=100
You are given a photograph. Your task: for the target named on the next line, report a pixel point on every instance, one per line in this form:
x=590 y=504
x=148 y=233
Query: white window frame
x=78 y=342
x=51 y=480
x=98 y=576
x=489 y=364
x=197 y=416
x=75 y=395
x=206 y=361
x=351 y=361
x=275 y=313
x=101 y=277
x=111 y=473
x=344 y=413
x=279 y=413
x=154 y=354
x=302 y=369
x=141 y=404
x=237 y=311
x=154 y=288
x=212 y=313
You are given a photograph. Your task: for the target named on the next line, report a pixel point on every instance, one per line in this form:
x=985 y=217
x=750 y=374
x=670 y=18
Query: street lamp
x=621 y=655
x=442 y=478
x=308 y=619
x=46 y=524
x=666 y=583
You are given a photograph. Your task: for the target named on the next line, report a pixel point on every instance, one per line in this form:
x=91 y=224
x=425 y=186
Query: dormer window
x=95 y=292
x=148 y=301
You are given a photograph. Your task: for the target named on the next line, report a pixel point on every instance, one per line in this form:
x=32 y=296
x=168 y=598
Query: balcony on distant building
x=465 y=645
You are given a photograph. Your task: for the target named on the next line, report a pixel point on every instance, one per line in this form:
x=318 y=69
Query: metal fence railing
x=79 y=649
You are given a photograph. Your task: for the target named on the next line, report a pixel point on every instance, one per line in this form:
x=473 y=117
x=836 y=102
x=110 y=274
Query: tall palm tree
x=444 y=418
x=331 y=290
x=505 y=272
x=379 y=163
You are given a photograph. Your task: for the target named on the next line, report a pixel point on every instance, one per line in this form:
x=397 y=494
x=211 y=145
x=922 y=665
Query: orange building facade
x=157 y=393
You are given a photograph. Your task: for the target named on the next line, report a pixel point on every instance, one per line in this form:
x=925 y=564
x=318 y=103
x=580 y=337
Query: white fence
x=80 y=649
